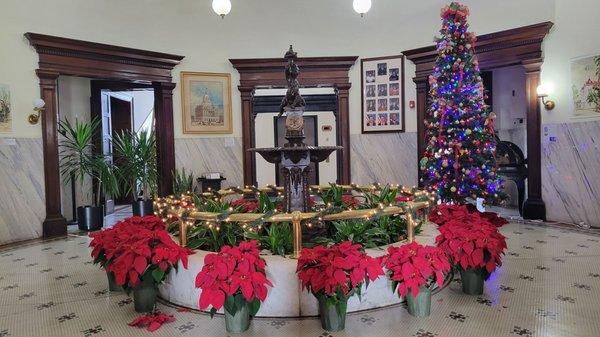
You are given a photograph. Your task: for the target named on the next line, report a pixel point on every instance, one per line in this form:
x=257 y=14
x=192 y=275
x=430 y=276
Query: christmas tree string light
x=458 y=162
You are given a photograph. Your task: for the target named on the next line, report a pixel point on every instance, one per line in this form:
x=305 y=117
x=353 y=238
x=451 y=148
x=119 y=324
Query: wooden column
x=165 y=135
x=343 y=118
x=534 y=207
x=249 y=161
x=55 y=223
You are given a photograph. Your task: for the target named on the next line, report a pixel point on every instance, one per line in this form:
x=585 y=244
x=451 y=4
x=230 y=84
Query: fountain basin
x=286 y=298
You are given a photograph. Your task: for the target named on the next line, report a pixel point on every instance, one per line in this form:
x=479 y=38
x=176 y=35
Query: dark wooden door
x=119 y=115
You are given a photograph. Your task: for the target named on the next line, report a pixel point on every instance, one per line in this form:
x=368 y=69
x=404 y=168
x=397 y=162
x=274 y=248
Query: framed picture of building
x=382 y=92
x=206 y=103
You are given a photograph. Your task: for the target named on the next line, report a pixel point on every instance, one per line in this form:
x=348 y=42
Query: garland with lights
x=260 y=206
x=458 y=162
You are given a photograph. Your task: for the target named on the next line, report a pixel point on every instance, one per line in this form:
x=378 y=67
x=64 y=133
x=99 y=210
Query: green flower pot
x=419 y=306
x=144 y=295
x=333 y=315
x=472 y=281
x=112 y=283
x=239 y=322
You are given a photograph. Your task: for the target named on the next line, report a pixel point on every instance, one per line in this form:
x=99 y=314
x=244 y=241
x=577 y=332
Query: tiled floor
x=549 y=286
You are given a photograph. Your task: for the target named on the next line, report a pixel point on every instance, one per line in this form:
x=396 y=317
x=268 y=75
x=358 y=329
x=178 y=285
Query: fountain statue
x=295 y=156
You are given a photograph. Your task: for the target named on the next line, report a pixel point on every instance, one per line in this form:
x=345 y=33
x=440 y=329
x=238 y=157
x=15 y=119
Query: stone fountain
x=295 y=156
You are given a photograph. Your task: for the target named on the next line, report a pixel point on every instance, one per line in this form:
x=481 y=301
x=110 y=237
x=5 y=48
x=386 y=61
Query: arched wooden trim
x=62 y=56
x=519 y=46
x=314 y=71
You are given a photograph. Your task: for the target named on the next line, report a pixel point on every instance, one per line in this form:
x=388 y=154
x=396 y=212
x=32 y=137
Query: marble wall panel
x=22 y=199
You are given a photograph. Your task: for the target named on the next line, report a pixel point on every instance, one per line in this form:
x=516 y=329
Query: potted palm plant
x=138 y=172
x=79 y=165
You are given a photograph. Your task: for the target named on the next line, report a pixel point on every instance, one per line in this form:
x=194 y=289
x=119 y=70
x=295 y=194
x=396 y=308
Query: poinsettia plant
x=472 y=245
x=413 y=266
x=105 y=242
x=467 y=213
x=232 y=278
x=336 y=272
x=142 y=248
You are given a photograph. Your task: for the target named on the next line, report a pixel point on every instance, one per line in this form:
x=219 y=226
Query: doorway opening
x=319 y=126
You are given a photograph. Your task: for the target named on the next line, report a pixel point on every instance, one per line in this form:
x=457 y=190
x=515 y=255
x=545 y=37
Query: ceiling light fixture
x=361 y=6
x=221 y=7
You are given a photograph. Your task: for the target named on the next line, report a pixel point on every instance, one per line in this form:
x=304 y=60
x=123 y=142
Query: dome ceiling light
x=221 y=7
x=361 y=6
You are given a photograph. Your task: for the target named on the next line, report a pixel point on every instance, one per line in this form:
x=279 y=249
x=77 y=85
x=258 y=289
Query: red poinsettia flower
x=246 y=205
x=475 y=244
x=152 y=321
x=234 y=270
x=412 y=266
x=136 y=246
x=403 y=198
x=467 y=213
x=350 y=201
x=344 y=267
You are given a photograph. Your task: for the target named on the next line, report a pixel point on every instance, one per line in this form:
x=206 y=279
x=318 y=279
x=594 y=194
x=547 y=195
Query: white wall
x=254 y=28
x=143 y=108
x=575 y=34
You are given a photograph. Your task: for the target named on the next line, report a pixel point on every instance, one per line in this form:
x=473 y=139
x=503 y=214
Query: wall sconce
x=543 y=90
x=38 y=107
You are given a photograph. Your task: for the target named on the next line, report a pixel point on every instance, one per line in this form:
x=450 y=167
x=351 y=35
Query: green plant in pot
x=334 y=274
x=475 y=247
x=143 y=255
x=136 y=157
x=234 y=279
x=79 y=165
x=415 y=270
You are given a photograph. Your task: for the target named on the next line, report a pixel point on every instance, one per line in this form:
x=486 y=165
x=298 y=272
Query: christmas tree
x=459 y=159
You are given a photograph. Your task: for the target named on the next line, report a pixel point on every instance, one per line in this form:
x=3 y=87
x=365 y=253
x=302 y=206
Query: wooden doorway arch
x=314 y=71
x=519 y=46
x=61 y=56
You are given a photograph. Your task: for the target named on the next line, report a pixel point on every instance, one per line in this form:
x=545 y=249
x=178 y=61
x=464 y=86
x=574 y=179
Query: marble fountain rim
x=286 y=299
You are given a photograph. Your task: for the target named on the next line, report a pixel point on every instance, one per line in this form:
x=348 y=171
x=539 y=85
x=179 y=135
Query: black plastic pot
x=142 y=207
x=90 y=218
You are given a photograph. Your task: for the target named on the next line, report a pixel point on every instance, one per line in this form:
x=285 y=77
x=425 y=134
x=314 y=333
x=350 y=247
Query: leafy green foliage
x=386 y=196
x=78 y=162
x=332 y=196
x=182 y=181
x=136 y=155
x=357 y=231
x=276 y=238
x=215 y=237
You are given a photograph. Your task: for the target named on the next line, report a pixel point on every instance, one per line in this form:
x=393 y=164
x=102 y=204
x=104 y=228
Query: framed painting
x=206 y=103
x=5 y=112
x=585 y=83
x=382 y=92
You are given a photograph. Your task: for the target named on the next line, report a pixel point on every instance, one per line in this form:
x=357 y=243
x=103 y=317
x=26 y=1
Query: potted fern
x=79 y=164
x=138 y=171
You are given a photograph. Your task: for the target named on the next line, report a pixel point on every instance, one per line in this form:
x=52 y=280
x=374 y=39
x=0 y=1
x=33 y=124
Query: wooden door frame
x=314 y=71
x=519 y=46
x=62 y=56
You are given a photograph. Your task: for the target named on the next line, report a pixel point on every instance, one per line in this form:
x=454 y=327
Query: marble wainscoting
x=22 y=196
x=384 y=158
x=202 y=155
x=571 y=173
